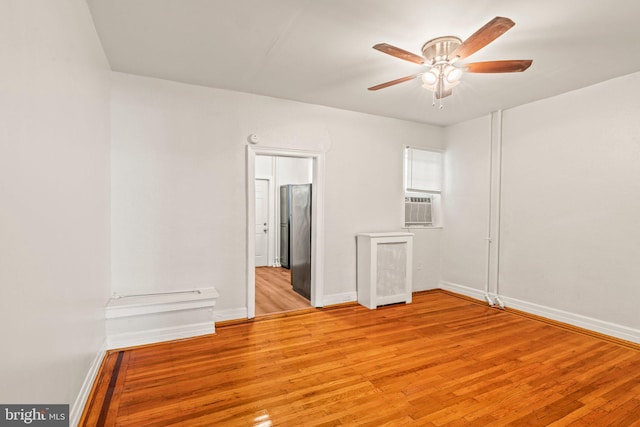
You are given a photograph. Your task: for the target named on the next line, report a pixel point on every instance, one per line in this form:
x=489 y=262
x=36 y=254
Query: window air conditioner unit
x=417 y=211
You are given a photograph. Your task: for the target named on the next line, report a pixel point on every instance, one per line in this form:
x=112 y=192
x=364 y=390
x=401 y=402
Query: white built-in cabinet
x=384 y=268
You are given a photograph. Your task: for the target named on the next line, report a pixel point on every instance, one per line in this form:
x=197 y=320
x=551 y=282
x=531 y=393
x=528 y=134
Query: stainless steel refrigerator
x=295 y=235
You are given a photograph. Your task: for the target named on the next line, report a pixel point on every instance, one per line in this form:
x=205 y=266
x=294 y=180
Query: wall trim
x=116 y=312
x=151 y=336
x=589 y=323
x=241 y=313
x=461 y=289
x=77 y=408
x=422 y=288
x=340 y=298
x=596 y=325
x=230 y=314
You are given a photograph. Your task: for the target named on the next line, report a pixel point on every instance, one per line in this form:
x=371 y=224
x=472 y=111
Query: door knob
x=265 y=230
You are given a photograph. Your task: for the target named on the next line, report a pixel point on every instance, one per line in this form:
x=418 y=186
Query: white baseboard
x=596 y=325
x=76 y=409
x=230 y=314
x=339 y=298
x=150 y=336
x=419 y=288
x=607 y=328
x=464 y=290
x=241 y=313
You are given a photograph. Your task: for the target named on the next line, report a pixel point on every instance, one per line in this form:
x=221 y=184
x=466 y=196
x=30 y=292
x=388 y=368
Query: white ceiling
x=319 y=51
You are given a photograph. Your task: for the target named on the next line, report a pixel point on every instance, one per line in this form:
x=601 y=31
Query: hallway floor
x=274 y=293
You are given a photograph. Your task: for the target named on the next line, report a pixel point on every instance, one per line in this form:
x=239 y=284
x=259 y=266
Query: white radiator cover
x=384 y=268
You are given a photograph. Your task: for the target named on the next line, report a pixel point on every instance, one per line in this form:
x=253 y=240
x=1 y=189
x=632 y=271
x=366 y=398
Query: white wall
x=54 y=192
x=291 y=170
x=570 y=241
x=427 y=254
x=178 y=183
x=571 y=202
x=264 y=167
x=284 y=170
x=466 y=203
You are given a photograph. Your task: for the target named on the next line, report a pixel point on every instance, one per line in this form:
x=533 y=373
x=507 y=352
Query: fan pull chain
x=440 y=87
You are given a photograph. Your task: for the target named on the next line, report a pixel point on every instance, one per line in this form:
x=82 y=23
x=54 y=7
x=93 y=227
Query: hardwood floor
x=440 y=361
x=274 y=293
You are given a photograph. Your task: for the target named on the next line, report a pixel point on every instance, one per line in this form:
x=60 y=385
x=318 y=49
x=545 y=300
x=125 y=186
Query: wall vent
x=417 y=211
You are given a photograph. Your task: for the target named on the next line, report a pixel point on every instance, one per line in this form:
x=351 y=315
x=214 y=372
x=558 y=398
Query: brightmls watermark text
x=34 y=415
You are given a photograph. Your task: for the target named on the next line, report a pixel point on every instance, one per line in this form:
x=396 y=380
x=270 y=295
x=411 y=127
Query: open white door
x=262 y=222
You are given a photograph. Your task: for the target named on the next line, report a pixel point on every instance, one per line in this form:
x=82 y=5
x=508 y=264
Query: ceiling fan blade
x=394 y=82
x=399 y=53
x=485 y=35
x=509 y=66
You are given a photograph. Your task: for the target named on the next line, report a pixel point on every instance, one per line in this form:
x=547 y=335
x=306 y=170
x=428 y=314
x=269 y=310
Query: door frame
x=317 y=224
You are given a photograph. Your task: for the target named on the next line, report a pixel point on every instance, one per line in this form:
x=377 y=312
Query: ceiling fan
x=442 y=54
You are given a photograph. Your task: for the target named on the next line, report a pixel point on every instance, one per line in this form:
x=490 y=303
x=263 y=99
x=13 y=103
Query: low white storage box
x=145 y=319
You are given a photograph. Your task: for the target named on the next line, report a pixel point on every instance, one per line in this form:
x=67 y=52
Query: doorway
x=283 y=274
x=317 y=226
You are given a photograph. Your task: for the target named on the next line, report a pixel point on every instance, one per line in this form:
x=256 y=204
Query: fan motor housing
x=439 y=49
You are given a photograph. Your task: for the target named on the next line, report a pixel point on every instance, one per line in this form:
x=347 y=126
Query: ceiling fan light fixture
x=440 y=54
x=441 y=87
x=453 y=74
x=430 y=78
x=449 y=86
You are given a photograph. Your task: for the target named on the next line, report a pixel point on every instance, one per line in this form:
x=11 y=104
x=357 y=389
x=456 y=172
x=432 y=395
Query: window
x=422 y=170
x=422 y=187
